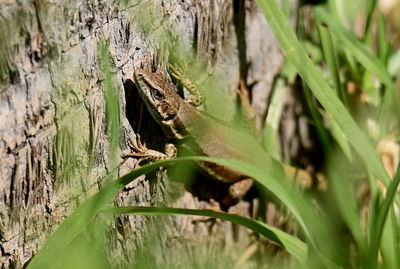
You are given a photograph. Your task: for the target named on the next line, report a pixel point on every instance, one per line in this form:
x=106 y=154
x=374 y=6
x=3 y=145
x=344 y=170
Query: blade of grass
x=292 y=244
x=84 y=214
x=330 y=57
x=390 y=242
x=112 y=103
x=353 y=66
x=383 y=52
x=340 y=138
x=345 y=200
x=271 y=130
x=356 y=48
x=371 y=5
x=385 y=109
x=377 y=227
x=394 y=63
x=313 y=226
x=313 y=77
x=384 y=47
x=317 y=119
x=337 y=10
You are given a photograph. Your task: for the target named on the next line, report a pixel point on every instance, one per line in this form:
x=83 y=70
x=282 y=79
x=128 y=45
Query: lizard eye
x=157 y=95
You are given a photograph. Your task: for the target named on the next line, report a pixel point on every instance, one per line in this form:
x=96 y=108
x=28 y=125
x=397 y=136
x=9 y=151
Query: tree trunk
x=54 y=143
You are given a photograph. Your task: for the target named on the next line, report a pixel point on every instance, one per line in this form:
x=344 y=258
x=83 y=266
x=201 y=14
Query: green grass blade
x=340 y=138
x=383 y=43
x=82 y=216
x=111 y=101
x=371 y=5
x=85 y=213
x=313 y=77
x=271 y=130
x=330 y=57
x=312 y=225
x=390 y=242
x=356 y=48
x=345 y=199
x=292 y=244
x=394 y=63
x=317 y=119
x=377 y=227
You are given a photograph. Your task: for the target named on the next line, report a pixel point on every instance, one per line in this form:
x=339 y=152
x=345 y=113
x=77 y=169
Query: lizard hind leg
x=237 y=191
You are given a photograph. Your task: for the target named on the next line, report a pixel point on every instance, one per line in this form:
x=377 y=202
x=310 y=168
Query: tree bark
x=53 y=135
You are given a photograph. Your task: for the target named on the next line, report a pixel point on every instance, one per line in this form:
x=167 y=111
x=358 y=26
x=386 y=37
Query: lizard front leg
x=197 y=97
x=144 y=153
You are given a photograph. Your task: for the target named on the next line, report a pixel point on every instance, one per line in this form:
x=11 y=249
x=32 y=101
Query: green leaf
x=330 y=57
x=378 y=225
x=346 y=201
x=85 y=213
x=111 y=101
x=296 y=54
x=372 y=64
x=384 y=47
x=356 y=48
x=371 y=5
x=292 y=244
x=390 y=242
x=340 y=138
x=394 y=63
x=72 y=226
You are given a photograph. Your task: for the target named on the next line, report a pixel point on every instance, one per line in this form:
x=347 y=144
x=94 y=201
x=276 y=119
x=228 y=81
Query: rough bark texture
x=53 y=133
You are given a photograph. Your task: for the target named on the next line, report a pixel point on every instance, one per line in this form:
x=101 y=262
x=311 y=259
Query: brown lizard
x=202 y=134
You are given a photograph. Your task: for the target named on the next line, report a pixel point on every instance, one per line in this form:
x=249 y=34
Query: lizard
x=201 y=133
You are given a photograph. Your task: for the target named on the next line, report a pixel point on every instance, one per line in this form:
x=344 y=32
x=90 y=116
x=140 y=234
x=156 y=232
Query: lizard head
x=160 y=96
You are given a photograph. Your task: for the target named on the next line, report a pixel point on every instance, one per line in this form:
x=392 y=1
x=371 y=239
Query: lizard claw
x=138 y=146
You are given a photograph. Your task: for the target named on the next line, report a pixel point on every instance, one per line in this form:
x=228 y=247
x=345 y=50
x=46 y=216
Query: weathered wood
x=53 y=139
